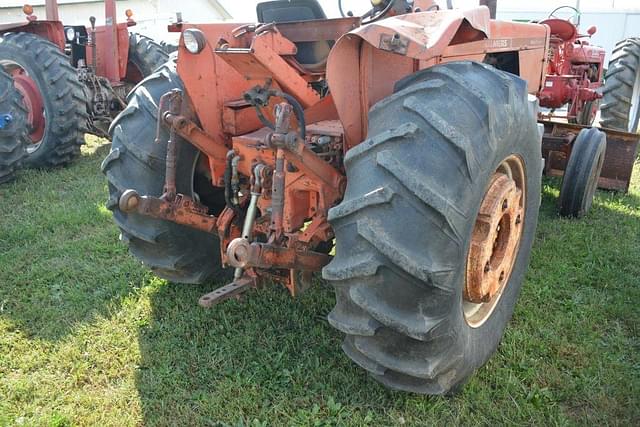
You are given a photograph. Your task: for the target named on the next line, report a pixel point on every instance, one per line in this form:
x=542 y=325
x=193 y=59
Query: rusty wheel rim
x=494 y=241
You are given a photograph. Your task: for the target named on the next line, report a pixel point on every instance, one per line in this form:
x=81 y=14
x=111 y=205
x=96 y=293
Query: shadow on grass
x=61 y=264
x=267 y=356
x=274 y=358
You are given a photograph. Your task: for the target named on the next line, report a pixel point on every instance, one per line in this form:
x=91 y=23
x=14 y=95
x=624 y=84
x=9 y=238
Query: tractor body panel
x=232 y=63
x=112 y=39
x=111 y=58
x=399 y=46
x=49 y=30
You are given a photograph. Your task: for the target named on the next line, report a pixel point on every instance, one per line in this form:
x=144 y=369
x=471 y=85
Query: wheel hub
x=32 y=100
x=494 y=241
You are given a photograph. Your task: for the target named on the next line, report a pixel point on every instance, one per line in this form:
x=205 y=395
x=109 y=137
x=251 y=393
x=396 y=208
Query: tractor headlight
x=194 y=40
x=70 y=34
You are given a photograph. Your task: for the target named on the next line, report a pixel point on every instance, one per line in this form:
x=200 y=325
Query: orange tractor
x=398 y=153
x=72 y=80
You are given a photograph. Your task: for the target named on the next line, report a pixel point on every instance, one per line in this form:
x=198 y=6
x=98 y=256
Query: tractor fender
x=49 y=30
x=365 y=63
x=424 y=35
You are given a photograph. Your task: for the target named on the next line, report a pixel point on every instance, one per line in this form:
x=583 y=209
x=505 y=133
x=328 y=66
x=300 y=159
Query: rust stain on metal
x=495 y=238
x=181 y=210
x=394 y=43
x=243 y=254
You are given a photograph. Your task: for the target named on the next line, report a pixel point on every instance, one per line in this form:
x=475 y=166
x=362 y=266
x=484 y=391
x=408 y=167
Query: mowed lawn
x=88 y=337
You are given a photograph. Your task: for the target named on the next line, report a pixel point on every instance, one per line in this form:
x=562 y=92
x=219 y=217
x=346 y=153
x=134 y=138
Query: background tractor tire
x=588 y=113
x=581 y=175
x=172 y=251
x=13 y=128
x=145 y=55
x=169 y=47
x=620 y=107
x=64 y=104
x=403 y=230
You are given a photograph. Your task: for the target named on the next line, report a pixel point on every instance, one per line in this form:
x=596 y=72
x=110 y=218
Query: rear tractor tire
x=435 y=230
x=145 y=57
x=581 y=175
x=54 y=98
x=173 y=252
x=13 y=128
x=620 y=107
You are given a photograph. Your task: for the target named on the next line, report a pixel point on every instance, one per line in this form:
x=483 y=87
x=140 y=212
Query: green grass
x=88 y=337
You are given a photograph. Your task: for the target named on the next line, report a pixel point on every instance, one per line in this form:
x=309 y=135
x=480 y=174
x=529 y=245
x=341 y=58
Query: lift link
x=242 y=253
x=242 y=280
x=171 y=206
x=182 y=210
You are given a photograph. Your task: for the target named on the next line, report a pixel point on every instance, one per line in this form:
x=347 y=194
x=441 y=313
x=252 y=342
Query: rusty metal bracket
x=394 y=43
x=175 y=107
x=190 y=131
x=182 y=210
x=243 y=254
x=302 y=157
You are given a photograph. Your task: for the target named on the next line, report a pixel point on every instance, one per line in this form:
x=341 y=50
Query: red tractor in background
x=574 y=71
x=73 y=80
x=586 y=157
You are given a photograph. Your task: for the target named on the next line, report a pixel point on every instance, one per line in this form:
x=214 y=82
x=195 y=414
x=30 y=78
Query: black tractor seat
x=311 y=55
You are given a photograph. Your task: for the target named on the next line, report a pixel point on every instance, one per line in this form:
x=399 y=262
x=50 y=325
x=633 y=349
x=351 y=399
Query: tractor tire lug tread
x=172 y=251
x=63 y=98
x=622 y=72
x=414 y=186
x=13 y=138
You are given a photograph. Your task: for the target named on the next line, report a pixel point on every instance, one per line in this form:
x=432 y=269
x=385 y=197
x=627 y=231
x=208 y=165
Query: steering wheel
x=374 y=14
x=574 y=19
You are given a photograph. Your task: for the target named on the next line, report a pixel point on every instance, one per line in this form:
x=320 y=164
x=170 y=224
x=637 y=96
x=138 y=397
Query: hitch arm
x=190 y=131
x=182 y=210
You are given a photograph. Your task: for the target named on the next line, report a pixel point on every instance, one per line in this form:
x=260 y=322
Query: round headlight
x=70 y=34
x=194 y=40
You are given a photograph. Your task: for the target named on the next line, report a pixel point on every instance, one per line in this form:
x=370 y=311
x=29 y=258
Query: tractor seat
x=311 y=55
x=561 y=28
